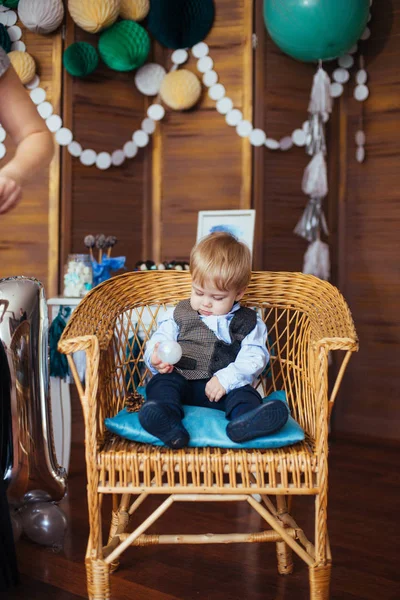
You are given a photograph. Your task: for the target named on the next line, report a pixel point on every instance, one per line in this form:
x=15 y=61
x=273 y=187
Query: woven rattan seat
x=306 y=319
x=206 y=468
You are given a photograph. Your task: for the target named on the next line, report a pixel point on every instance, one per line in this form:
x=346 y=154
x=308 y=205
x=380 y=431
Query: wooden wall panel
x=286 y=95
x=30 y=233
x=370 y=272
x=103 y=110
x=201 y=163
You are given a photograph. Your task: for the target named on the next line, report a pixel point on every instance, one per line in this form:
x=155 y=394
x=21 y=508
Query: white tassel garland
x=320 y=99
x=316 y=260
x=315 y=179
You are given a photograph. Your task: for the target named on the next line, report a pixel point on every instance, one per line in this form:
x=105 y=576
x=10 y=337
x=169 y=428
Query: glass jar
x=78 y=276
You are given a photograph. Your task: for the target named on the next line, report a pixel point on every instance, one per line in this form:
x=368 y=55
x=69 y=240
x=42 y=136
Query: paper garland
x=216 y=91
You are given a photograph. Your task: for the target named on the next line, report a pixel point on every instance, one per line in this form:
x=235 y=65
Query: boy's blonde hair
x=223 y=260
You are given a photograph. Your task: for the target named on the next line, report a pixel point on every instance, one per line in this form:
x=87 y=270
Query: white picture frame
x=238 y=222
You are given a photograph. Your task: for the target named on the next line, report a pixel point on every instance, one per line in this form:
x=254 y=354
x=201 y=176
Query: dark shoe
x=261 y=421
x=162 y=422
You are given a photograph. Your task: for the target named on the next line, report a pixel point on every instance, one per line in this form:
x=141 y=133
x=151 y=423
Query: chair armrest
x=331 y=321
x=88 y=392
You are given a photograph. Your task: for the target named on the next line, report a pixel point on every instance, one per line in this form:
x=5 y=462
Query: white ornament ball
x=346 y=61
x=169 y=352
x=341 y=75
x=271 y=144
x=156 y=112
x=41 y=17
x=179 y=57
x=224 y=105
x=361 y=92
x=234 y=117
x=336 y=90
x=200 y=50
x=360 y=154
x=210 y=78
x=257 y=137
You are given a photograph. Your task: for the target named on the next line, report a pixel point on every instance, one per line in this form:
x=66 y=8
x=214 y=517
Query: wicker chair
x=306 y=318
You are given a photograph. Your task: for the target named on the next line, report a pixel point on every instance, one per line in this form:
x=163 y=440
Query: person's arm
x=250 y=361
x=35 y=145
x=167 y=330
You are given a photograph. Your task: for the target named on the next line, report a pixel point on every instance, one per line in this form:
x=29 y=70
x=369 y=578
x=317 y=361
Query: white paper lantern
x=41 y=17
x=148 y=79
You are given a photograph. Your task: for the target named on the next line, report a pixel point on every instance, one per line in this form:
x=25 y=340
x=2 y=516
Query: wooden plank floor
x=364 y=532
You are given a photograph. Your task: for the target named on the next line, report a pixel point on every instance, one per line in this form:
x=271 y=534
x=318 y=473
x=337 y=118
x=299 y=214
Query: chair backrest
x=122 y=313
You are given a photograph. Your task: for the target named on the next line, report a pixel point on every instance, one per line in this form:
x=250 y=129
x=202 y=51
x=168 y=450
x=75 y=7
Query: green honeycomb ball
x=80 y=59
x=9 y=3
x=180 y=23
x=124 y=46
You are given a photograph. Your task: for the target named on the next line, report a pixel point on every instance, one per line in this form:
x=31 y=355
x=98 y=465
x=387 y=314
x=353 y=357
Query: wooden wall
x=202 y=164
x=369 y=241
x=362 y=210
x=281 y=96
x=30 y=234
x=103 y=110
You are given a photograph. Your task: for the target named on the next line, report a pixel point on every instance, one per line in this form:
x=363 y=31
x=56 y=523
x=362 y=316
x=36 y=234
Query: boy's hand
x=214 y=390
x=157 y=363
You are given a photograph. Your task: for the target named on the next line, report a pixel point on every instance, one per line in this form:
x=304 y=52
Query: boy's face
x=209 y=300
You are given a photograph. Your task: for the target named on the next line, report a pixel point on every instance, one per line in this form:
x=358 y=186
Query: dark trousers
x=174 y=391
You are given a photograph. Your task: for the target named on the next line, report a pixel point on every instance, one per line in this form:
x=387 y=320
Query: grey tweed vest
x=203 y=354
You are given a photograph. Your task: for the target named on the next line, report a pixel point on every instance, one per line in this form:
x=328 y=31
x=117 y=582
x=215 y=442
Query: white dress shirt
x=250 y=361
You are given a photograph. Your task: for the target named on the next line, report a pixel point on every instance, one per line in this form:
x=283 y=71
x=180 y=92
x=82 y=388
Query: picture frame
x=239 y=223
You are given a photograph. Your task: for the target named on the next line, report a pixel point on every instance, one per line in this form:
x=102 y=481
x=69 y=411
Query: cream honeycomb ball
x=180 y=90
x=94 y=15
x=134 y=10
x=23 y=64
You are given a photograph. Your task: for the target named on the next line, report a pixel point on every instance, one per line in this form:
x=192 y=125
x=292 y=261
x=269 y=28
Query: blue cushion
x=206 y=428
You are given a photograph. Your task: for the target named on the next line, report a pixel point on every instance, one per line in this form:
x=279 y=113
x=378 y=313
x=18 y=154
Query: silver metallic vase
x=26 y=437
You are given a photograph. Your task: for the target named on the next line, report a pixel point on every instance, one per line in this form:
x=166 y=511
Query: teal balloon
x=310 y=30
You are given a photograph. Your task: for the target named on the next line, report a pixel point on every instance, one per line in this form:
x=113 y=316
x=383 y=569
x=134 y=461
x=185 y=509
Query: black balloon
x=44 y=523
x=36 y=496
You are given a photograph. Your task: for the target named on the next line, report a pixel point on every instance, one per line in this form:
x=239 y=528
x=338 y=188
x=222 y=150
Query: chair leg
x=320 y=577
x=285 y=558
x=284 y=553
x=98 y=579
